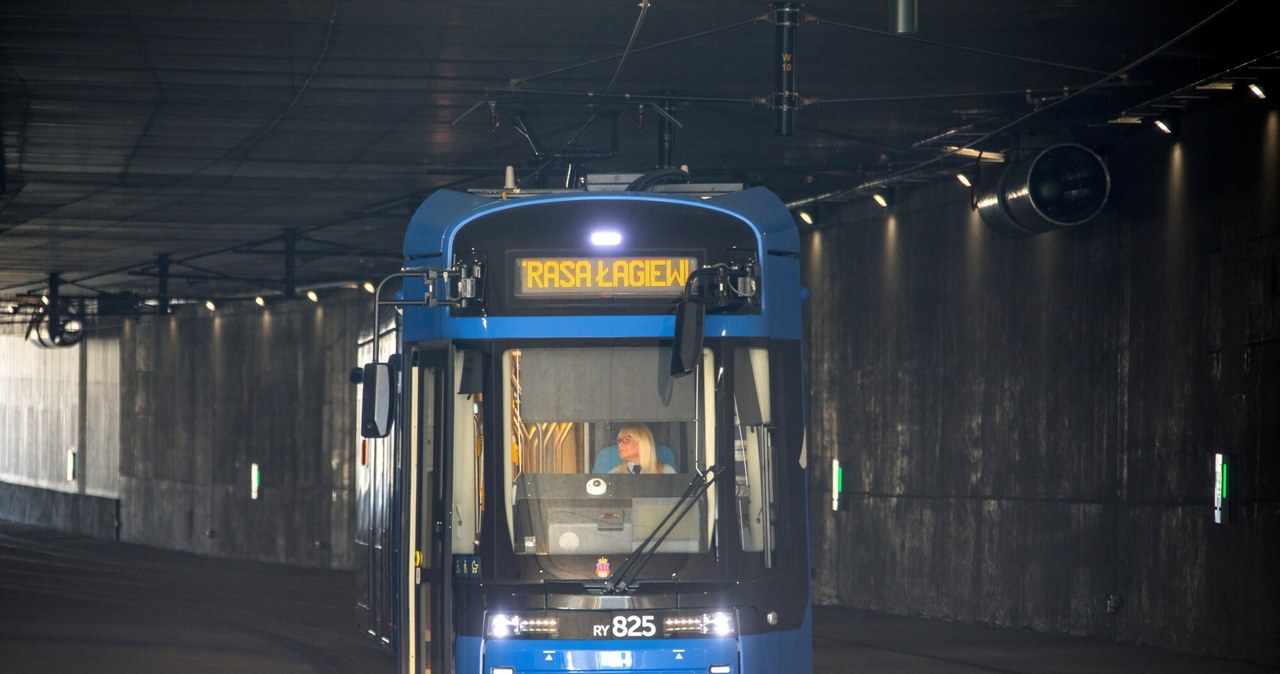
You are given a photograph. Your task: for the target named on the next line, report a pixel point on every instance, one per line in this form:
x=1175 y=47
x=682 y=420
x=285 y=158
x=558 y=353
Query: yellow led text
x=603 y=275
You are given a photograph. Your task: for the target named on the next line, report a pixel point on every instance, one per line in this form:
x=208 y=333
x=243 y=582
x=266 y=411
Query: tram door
x=432 y=432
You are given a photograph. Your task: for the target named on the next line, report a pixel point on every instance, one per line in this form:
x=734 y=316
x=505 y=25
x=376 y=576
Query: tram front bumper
x=656 y=656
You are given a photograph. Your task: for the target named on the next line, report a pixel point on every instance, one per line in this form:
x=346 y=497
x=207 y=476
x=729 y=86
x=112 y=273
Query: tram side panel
x=375 y=523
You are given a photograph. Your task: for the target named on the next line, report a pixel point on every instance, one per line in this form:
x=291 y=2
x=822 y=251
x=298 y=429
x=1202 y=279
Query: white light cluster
x=502 y=626
x=718 y=624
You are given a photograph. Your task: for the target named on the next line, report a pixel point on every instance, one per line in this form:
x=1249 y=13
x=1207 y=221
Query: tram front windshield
x=600 y=445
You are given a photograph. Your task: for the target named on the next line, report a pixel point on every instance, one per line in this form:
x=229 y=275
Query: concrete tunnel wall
x=1026 y=425
x=207 y=395
x=60 y=432
x=169 y=413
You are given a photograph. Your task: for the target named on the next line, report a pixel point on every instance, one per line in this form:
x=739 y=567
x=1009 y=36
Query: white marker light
x=1221 y=505
x=502 y=626
x=720 y=624
x=837 y=483
x=606 y=238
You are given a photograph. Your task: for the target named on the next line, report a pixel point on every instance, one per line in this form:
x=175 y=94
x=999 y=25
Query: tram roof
x=437 y=221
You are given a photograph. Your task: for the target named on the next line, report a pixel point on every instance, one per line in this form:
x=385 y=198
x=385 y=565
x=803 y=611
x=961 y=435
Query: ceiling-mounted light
x=1216 y=85
x=905 y=17
x=44 y=299
x=369 y=287
x=311 y=295
x=1168 y=122
x=963 y=178
x=260 y=301
x=984 y=156
x=1257 y=90
x=804 y=215
x=885 y=198
x=208 y=304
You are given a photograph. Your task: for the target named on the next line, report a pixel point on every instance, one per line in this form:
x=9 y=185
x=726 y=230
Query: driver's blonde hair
x=644 y=441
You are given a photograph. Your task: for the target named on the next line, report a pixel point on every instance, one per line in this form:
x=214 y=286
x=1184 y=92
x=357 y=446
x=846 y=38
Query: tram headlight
x=717 y=624
x=506 y=626
x=501 y=626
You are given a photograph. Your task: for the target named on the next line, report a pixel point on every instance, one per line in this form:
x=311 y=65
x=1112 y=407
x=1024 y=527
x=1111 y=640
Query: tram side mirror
x=376 y=408
x=690 y=316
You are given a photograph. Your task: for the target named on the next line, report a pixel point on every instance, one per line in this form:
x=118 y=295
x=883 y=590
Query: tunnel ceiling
x=224 y=133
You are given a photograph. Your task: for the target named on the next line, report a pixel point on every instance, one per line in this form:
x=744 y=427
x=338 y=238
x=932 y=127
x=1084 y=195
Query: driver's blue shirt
x=607 y=459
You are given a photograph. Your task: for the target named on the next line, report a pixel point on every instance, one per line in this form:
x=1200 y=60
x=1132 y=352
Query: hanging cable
x=644 y=9
x=884 y=180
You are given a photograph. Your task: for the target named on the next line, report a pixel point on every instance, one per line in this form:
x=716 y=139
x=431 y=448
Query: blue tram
x=591 y=454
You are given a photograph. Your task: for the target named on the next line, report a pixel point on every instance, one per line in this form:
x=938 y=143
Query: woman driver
x=636 y=448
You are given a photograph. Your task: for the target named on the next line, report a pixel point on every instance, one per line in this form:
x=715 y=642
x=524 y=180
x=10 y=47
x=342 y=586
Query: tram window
x=571 y=487
x=468 y=462
x=753 y=467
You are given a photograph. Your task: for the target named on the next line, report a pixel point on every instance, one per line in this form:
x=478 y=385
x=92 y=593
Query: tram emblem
x=602 y=567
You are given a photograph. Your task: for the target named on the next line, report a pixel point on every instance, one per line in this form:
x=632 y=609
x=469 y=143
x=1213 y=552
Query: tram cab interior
x=570 y=492
x=565 y=409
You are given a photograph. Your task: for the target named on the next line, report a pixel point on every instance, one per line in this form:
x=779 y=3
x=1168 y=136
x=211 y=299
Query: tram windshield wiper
x=631 y=566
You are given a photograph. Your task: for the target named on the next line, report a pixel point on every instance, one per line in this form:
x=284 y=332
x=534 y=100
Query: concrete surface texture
x=211 y=395
x=1027 y=427
x=60 y=414
x=76 y=604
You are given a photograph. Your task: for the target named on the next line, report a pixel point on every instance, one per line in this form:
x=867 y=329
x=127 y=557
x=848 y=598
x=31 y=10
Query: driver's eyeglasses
x=623 y=439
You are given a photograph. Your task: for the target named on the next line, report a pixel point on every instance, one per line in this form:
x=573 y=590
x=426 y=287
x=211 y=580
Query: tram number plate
x=627 y=627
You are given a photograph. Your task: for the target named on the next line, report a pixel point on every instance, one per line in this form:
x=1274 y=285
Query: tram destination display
x=595 y=277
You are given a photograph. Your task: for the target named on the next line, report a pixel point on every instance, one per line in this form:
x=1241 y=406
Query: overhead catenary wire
x=635 y=31
x=894 y=175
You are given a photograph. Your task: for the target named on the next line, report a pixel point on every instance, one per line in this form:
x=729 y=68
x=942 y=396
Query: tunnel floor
x=70 y=603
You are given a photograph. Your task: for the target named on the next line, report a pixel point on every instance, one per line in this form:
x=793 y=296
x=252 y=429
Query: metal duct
x=1061 y=186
